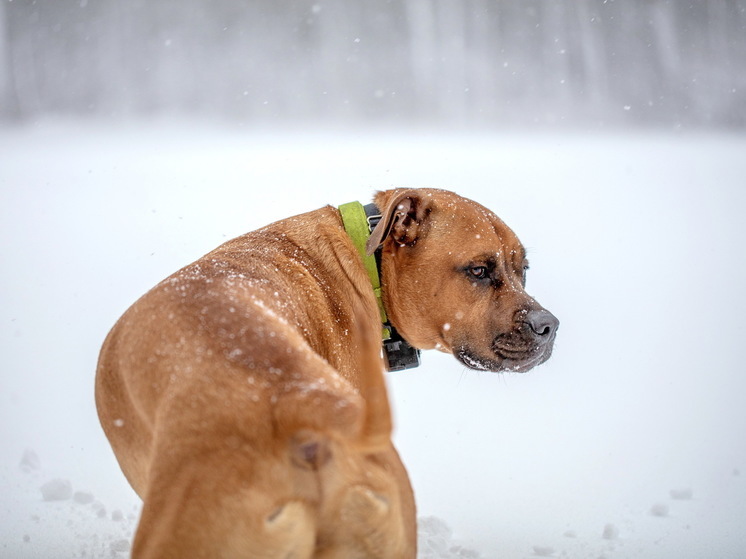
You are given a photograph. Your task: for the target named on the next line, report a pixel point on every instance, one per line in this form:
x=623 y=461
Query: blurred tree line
x=497 y=62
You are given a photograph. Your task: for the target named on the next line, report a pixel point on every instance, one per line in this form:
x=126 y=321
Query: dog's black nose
x=542 y=323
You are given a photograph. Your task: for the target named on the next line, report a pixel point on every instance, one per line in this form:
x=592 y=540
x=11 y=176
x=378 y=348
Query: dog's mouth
x=510 y=353
x=498 y=364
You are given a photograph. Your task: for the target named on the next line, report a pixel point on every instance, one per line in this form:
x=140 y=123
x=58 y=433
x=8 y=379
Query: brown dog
x=243 y=395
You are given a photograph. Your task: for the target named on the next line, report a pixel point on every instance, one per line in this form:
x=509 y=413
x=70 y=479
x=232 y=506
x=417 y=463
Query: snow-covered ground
x=629 y=443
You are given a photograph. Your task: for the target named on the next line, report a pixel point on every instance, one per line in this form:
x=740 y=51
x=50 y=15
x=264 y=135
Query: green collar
x=357 y=223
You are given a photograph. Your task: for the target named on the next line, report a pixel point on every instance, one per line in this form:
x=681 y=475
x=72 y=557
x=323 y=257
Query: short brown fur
x=243 y=395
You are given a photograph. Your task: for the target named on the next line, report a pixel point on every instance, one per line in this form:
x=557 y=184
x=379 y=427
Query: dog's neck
x=359 y=221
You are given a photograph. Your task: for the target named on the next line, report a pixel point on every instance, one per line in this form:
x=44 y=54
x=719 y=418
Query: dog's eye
x=479 y=272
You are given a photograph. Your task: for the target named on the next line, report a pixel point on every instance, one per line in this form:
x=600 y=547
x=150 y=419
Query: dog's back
x=242 y=440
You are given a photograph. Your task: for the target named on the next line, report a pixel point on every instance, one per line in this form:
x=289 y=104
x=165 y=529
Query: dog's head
x=453 y=277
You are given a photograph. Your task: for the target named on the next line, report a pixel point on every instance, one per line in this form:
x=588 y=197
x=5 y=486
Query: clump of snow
x=681 y=494
x=100 y=509
x=57 y=490
x=541 y=551
x=83 y=497
x=30 y=461
x=659 y=509
x=610 y=532
x=435 y=541
x=120 y=546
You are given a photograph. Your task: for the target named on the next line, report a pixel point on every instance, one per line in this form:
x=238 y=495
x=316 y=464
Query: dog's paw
x=362 y=504
x=290 y=531
x=372 y=523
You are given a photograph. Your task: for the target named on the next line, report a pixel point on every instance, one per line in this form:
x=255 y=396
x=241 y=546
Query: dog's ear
x=402 y=218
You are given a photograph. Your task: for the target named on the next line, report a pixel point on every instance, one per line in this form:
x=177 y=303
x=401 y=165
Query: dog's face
x=454 y=279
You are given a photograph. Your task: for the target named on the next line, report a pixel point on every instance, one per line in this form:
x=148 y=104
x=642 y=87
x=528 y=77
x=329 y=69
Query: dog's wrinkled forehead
x=479 y=225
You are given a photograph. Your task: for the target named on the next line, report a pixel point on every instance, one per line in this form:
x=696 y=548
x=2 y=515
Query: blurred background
x=494 y=63
x=137 y=135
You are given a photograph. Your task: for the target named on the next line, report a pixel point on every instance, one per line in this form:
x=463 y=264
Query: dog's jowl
x=244 y=396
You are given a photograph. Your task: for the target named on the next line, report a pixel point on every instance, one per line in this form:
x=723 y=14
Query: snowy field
x=629 y=443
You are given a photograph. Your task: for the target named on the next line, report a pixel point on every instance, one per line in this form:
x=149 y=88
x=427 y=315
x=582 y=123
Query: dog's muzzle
x=529 y=344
